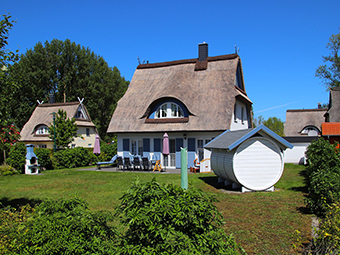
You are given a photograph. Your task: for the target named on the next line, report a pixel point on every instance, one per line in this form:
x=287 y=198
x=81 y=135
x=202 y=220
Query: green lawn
x=262 y=222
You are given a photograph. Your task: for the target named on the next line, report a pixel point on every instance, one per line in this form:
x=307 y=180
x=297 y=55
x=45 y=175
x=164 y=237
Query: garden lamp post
x=54 y=145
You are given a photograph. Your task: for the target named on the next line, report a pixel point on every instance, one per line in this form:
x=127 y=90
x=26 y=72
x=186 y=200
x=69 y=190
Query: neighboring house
x=192 y=100
x=35 y=131
x=300 y=129
x=331 y=126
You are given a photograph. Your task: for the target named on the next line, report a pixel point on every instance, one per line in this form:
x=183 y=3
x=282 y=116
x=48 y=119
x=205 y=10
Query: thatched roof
x=42 y=115
x=297 y=120
x=205 y=88
x=333 y=112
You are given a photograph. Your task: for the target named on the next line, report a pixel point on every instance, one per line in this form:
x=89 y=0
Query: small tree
x=9 y=135
x=65 y=129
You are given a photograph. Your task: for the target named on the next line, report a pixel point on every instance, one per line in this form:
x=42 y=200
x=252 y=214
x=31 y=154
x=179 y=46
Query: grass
x=262 y=222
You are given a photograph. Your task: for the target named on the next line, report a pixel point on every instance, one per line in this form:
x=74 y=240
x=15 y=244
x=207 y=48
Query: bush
x=65 y=226
x=109 y=150
x=323 y=176
x=44 y=157
x=7 y=170
x=75 y=157
x=166 y=219
x=17 y=157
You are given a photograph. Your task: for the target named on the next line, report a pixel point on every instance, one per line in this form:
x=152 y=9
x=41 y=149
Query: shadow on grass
x=18 y=202
x=304 y=188
x=213 y=181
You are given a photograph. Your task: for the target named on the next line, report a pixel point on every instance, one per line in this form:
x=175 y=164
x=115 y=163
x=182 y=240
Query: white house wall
x=237 y=122
x=192 y=154
x=296 y=155
x=84 y=141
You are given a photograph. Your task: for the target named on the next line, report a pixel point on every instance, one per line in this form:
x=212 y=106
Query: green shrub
x=7 y=170
x=75 y=157
x=44 y=157
x=109 y=150
x=166 y=219
x=65 y=226
x=17 y=157
x=323 y=176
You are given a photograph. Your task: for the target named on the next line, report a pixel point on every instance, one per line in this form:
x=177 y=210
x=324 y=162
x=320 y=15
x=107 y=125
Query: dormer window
x=42 y=130
x=81 y=113
x=310 y=131
x=238 y=80
x=169 y=110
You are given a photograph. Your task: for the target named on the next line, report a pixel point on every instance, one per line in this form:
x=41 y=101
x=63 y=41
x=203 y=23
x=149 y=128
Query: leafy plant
x=7 y=170
x=65 y=226
x=323 y=176
x=17 y=157
x=75 y=157
x=44 y=157
x=166 y=219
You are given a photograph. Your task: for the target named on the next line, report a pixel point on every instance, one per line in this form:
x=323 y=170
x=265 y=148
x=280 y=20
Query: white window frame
x=42 y=130
x=137 y=147
x=169 y=110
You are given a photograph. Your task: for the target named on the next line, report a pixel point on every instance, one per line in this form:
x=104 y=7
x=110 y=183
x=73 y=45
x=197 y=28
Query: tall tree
x=330 y=71
x=69 y=71
x=275 y=124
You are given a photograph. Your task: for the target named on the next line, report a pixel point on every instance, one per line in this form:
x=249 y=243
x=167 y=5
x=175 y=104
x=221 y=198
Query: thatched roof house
x=183 y=97
x=206 y=89
x=35 y=130
x=333 y=112
x=300 y=122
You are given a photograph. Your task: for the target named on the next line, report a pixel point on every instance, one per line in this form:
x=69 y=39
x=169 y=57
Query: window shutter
x=191 y=144
x=146 y=144
x=179 y=144
x=157 y=144
x=126 y=143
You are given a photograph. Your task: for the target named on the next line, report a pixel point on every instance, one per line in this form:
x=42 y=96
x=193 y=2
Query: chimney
x=52 y=99
x=319 y=106
x=202 y=51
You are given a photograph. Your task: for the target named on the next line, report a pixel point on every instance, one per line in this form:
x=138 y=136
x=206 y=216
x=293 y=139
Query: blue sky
x=280 y=42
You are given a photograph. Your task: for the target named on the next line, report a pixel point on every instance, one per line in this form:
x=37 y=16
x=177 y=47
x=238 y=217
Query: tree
x=69 y=71
x=65 y=129
x=8 y=86
x=330 y=71
x=275 y=124
x=258 y=121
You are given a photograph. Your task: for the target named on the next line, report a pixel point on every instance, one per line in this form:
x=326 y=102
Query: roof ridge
x=187 y=61
x=57 y=104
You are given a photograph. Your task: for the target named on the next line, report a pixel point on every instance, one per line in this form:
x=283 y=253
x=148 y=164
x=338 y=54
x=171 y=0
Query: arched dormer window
x=310 y=131
x=167 y=110
x=42 y=130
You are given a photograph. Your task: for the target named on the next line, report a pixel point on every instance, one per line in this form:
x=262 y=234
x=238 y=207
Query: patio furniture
x=146 y=164
x=120 y=163
x=127 y=163
x=136 y=163
x=158 y=166
x=113 y=159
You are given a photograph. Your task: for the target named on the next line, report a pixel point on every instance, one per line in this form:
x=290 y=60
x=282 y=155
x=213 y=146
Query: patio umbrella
x=96 y=149
x=166 y=150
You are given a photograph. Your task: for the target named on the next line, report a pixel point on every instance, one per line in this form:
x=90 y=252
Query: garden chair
x=113 y=159
x=136 y=163
x=120 y=163
x=146 y=164
x=127 y=163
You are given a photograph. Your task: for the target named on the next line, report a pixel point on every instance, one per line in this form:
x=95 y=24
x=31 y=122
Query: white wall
x=296 y=155
x=239 y=123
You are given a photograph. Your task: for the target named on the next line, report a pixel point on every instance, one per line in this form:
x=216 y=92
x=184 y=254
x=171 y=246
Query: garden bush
x=75 y=157
x=44 y=157
x=323 y=176
x=65 y=226
x=166 y=219
x=7 y=170
x=17 y=157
